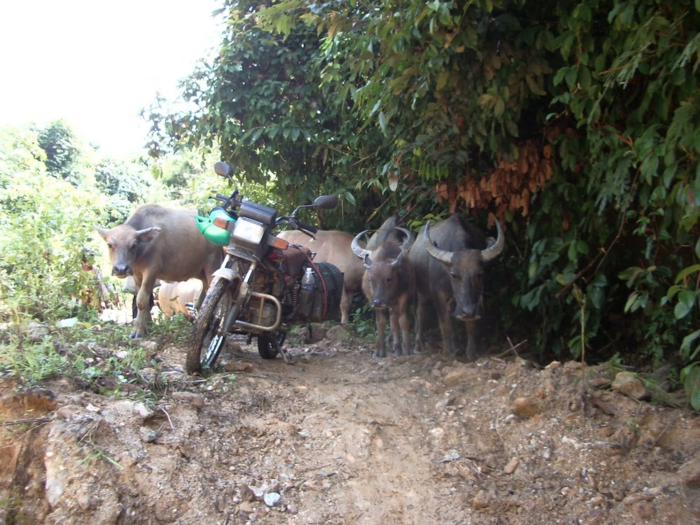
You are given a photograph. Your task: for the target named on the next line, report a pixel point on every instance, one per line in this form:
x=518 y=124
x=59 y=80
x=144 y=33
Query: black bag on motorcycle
x=329 y=289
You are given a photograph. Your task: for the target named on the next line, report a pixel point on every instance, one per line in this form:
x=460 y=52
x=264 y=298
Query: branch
x=26 y=421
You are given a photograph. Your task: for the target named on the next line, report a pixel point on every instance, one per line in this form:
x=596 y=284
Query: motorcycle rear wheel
x=266 y=346
x=208 y=336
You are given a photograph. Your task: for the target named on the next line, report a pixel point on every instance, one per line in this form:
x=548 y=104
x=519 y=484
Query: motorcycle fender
x=226 y=273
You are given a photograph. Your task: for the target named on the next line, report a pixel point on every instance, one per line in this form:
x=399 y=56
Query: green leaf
x=695 y=399
x=561 y=73
x=597 y=296
x=687 y=271
x=531 y=299
x=532 y=269
x=631 y=300
x=549 y=258
x=686 y=301
x=383 y=123
x=584 y=78
x=499 y=107
x=686 y=351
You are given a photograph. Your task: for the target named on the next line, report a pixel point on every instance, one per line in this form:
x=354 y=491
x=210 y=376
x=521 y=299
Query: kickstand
x=282 y=351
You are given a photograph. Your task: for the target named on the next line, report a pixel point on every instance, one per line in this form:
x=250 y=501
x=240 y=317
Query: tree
x=62 y=151
x=572 y=121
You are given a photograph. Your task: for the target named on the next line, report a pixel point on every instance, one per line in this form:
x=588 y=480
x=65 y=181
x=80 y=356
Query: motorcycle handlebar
x=308 y=227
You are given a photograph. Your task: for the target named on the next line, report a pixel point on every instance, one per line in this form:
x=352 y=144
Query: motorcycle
x=258 y=289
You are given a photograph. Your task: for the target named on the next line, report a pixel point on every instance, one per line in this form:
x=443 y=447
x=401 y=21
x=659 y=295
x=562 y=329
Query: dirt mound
x=340 y=437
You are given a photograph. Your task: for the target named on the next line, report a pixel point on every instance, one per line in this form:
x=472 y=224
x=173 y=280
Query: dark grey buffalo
x=389 y=285
x=160 y=243
x=449 y=259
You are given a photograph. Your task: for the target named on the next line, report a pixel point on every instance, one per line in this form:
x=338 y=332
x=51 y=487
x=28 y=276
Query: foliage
x=41 y=237
x=690 y=377
x=572 y=121
x=63 y=151
x=81 y=351
x=125 y=183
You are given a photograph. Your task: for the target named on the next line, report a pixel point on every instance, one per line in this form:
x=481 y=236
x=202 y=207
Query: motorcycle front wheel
x=209 y=335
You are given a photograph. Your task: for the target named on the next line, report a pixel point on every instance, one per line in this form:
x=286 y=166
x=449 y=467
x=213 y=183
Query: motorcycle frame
x=245 y=294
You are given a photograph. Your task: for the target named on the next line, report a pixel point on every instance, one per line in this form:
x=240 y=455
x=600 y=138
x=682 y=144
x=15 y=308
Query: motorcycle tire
x=207 y=339
x=266 y=346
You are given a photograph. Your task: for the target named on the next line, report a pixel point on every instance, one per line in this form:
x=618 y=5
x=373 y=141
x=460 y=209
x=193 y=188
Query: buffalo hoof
x=379 y=354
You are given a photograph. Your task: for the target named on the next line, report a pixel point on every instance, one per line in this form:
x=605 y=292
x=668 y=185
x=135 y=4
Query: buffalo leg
x=205 y=286
x=405 y=323
x=345 y=306
x=135 y=308
x=421 y=311
x=381 y=319
x=395 y=321
x=143 y=303
x=473 y=345
x=444 y=312
x=399 y=320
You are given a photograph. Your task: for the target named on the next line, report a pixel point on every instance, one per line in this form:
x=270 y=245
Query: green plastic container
x=211 y=231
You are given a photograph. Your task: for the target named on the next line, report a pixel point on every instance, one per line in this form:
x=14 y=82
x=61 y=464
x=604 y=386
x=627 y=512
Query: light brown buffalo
x=173 y=297
x=389 y=284
x=160 y=243
x=332 y=246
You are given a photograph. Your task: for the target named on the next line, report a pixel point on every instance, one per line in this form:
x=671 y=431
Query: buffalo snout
x=122 y=270
x=378 y=304
x=467 y=313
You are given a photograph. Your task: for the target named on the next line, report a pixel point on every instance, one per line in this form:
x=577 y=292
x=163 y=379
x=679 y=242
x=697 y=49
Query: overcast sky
x=97 y=64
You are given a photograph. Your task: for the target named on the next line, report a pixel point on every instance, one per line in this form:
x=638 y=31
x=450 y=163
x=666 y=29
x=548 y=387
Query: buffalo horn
x=440 y=255
x=408 y=237
x=359 y=250
x=493 y=251
x=147 y=234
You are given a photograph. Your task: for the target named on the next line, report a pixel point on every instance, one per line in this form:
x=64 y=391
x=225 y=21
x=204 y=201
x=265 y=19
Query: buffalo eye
x=455 y=276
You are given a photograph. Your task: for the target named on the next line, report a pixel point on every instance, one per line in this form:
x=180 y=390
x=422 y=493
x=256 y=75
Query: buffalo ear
x=148 y=234
x=368 y=262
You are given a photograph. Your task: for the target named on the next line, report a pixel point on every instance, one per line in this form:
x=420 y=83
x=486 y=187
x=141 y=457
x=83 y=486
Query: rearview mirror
x=326 y=202
x=223 y=169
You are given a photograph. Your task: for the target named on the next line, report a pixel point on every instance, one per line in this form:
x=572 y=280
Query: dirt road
x=341 y=437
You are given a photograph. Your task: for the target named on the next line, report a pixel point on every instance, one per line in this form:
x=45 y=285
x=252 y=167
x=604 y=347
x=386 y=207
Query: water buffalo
x=160 y=243
x=449 y=259
x=332 y=246
x=389 y=286
x=173 y=298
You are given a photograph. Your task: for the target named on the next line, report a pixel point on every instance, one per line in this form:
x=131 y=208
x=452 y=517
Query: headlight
x=249 y=231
